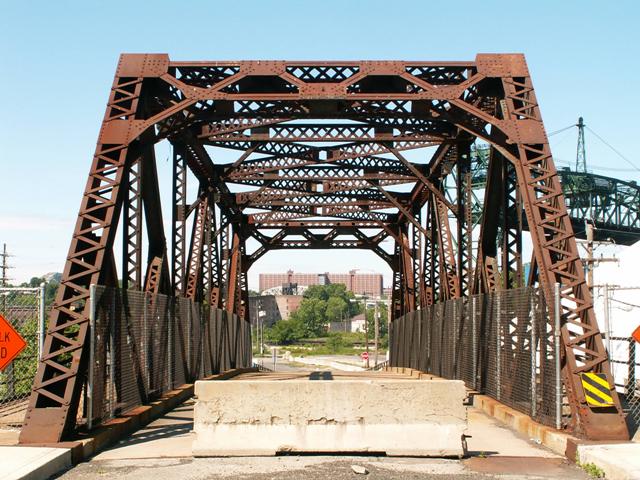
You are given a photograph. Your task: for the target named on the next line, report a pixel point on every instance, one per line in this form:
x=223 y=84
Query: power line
x=625 y=303
x=561 y=130
x=595 y=167
x=614 y=150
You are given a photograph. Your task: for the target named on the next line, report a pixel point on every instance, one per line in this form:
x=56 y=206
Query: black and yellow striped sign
x=596 y=389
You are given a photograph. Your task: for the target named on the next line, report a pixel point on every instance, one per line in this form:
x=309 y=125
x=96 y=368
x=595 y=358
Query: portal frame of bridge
x=369 y=113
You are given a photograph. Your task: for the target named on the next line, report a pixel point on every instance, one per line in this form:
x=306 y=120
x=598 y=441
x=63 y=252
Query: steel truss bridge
x=611 y=204
x=330 y=155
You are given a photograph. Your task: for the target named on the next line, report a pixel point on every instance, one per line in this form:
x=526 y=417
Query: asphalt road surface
x=323 y=467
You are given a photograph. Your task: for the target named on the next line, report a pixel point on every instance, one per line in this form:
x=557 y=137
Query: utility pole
x=376 y=319
x=590 y=260
x=589 y=229
x=581 y=154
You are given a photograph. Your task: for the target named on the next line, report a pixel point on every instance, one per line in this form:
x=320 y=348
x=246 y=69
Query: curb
x=556 y=441
x=107 y=434
x=618 y=461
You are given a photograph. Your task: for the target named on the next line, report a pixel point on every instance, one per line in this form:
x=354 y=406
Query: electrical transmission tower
x=4 y=280
x=581 y=154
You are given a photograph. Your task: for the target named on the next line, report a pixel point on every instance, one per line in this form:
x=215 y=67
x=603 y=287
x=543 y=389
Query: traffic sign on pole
x=11 y=343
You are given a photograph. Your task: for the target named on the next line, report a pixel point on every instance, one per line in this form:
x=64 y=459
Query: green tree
x=50 y=289
x=285 y=332
x=335 y=341
x=382 y=323
x=312 y=316
x=337 y=309
x=325 y=292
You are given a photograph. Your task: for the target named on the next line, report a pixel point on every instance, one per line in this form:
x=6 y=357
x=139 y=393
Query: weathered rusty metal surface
x=324 y=163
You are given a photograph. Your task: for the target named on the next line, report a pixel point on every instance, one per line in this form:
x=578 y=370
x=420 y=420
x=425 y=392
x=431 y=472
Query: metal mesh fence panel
x=467 y=343
x=501 y=344
x=144 y=345
x=624 y=360
x=181 y=330
x=23 y=308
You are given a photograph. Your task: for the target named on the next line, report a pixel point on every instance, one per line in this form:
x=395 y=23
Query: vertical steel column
x=416 y=246
x=132 y=227
x=464 y=221
x=224 y=262
x=179 y=220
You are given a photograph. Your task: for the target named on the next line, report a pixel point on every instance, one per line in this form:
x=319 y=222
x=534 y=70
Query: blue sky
x=58 y=60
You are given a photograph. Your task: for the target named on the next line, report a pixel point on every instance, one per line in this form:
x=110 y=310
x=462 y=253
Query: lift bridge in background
x=323 y=163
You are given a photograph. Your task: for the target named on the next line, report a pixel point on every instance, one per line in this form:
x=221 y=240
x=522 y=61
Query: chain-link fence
x=618 y=311
x=504 y=344
x=23 y=308
x=144 y=345
x=626 y=367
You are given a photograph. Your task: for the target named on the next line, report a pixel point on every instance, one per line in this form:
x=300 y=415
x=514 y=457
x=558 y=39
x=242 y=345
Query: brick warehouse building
x=358 y=283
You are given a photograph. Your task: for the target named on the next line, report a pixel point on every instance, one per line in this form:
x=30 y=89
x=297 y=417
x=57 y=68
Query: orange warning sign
x=636 y=334
x=11 y=344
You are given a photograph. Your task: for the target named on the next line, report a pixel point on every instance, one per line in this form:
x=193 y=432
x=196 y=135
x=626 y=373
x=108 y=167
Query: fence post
x=533 y=349
x=498 y=295
x=556 y=335
x=171 y=319
x=474 y=342
x=42 y=326
x=92 y=354
x=631 y=389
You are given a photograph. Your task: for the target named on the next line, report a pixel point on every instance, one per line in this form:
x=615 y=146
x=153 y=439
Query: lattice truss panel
x=368 y=155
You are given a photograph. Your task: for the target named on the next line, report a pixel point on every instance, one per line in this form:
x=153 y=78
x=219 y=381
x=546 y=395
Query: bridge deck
x=326 y=375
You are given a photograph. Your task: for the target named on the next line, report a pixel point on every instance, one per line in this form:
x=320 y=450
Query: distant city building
x=264 y=307
x=287 y=304
x=355 y=324
x=271 y=308
x=358 y=283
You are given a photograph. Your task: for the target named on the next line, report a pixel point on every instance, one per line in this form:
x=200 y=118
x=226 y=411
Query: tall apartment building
x=358 y=283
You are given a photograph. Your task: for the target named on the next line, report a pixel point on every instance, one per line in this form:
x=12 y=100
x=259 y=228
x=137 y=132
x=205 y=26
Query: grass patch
x=591 y=469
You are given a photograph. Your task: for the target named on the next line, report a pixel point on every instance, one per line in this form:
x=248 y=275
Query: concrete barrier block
x=396 y=417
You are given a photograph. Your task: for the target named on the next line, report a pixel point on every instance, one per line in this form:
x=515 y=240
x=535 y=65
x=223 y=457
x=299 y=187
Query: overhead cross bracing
x=328 y=156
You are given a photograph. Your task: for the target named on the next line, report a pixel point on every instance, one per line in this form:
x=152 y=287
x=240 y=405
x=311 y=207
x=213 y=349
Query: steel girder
x=322 y=145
